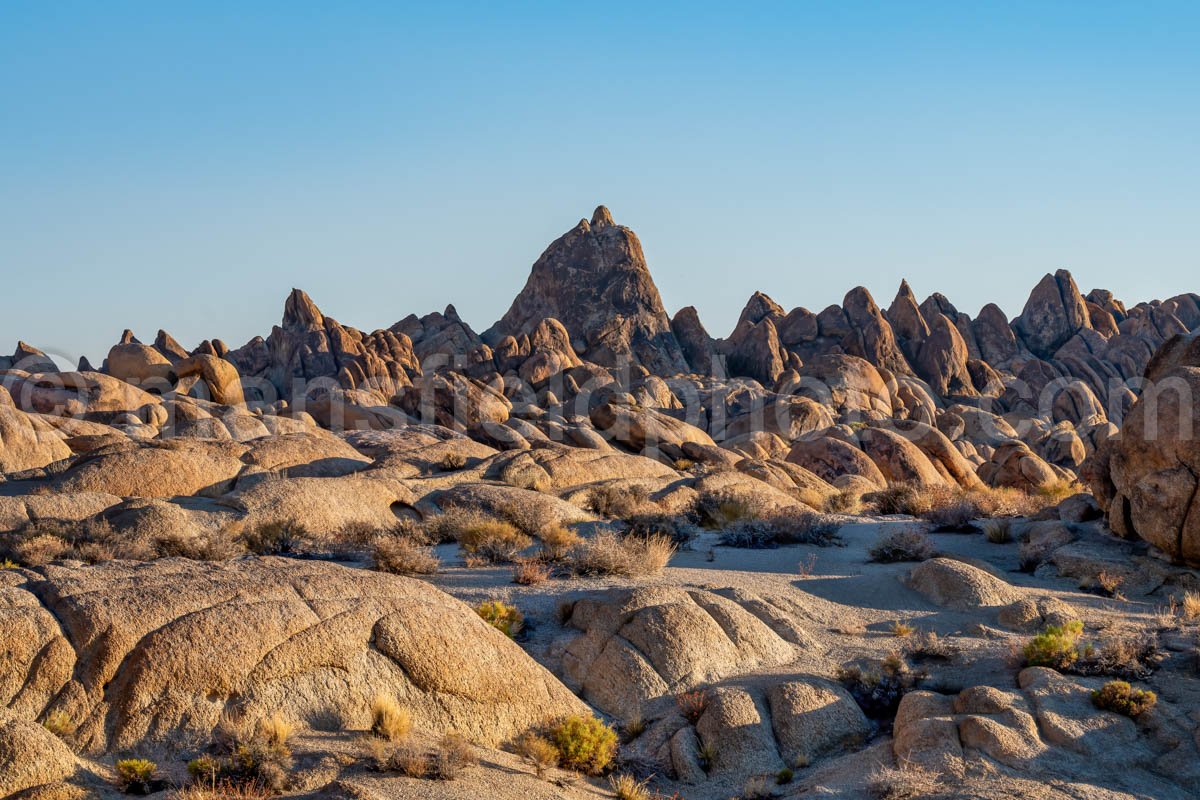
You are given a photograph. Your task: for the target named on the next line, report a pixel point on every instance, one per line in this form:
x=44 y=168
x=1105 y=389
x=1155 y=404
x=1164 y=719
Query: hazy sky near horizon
x=183 y=165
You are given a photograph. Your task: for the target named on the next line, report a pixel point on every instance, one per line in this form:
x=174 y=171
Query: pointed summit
x=594 y=280
x=299 y=311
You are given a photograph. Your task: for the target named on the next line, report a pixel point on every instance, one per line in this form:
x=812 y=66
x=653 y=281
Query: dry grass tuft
x=275 y=731
x=389 y=719
x=1189 y=607
x=627 y=787
x=59 y=723
x=906 y=783
x=999 y=530
x=901 y=629
x=618 y=500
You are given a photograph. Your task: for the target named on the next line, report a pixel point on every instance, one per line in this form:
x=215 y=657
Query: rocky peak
x=760 y=307
x=301 y=313
x=594 y=280
x=1053 y=314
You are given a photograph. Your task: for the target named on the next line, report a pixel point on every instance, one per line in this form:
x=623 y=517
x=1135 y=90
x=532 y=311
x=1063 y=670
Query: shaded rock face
x=140 y=654
x=694 y=341
x=594 y=280
x=1145 y=477
x=1053 y=314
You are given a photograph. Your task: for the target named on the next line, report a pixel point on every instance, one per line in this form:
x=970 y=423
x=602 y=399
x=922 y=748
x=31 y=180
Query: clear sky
x=184 y=164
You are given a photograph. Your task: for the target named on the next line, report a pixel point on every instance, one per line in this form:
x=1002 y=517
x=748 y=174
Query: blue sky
x=183 y=165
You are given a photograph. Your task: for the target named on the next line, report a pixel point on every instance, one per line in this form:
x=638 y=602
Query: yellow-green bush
x=1122 y=698
x=584 y=743
x=1056 y=647
x=501 y=616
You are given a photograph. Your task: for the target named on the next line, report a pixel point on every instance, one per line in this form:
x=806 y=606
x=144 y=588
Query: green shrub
x=784 y=776
x=1056 y=647
x=1122 y=698
x=135 y=774
x=584 y=743
x=501 y=616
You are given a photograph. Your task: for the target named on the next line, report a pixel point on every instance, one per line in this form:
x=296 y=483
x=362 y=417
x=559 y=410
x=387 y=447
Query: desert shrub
x=452 y=461
x=718 y=511
x=903 y=545
x=757 y=787
x=784 y=776
x=782 y=529
x=539 y=751
x=42 y=541
x=8 y=563
x=135 y=775
x=878 y=686
x=905 y=783
x=452 y=755
x=618 y=500
x=902 y=629
x=273 y=538
x=1053 y=493
x=633 y=727
x=1056 y=647
x=389 y=719
x=584 y=743
x=557 y=541
x=627 y=787
x=501 y=616
x=1129 y=654
x=900 y=498
x=492 y=540
x=998 y=531
x=530 y=572
x=402 y=556
x=223 y=790
x=707 y=756
x=692 y=705
x=59 y=723
x=1189 y=607
x=403 y=757
x=846 y=501
x=1122 y=698
x=606 y=553
x=205 y=769
x=927 y=645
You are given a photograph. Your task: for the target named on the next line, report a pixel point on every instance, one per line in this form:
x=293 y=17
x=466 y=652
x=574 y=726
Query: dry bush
x=389 y=719
x=692 y=705
x=402 y=556
x=758 y=787
x=1109 y=583
x=530 y=572
x=539 y=751
x=606 y=553
x=846 y=501
x=453 y=754
x=618 y=500
x=273 y=538
x=782 y=529
x=505 y=618
x=406 y=758
x=492 y=540
x=927 y=645
x=93 y=540
x=584 y=743
x=557 y=541
x=878 y=686
x=223 y=790
x=452 y=461
x=900 y=498
x=719 y=511
x=902 y=629
x=906 y=783
x=999 y=530
x=903 y=545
